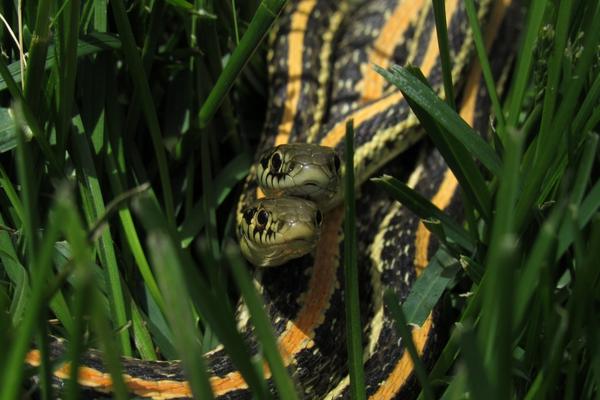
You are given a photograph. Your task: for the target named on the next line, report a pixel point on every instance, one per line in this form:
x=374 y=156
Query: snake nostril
x=319 y=217
x=264 y=162
x=248 y=214
x=336 y=162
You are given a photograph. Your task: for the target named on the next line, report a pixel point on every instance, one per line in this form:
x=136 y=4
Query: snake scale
x=320 y=61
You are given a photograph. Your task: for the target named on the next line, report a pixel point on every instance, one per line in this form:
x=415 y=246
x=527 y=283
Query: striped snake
x=321 y=54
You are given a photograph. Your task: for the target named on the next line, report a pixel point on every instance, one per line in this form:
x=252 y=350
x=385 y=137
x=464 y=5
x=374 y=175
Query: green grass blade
x=391 y=300
x=351 y=296
x=477 y=378
x=534 y=266
x=140 y=81
x=428 y=288
x=35 y=76
x=10 y=378
x=414 y=89
x=525 y=60
x=456 y=155
x=91 y=190
x=264 y=329
x=584 y=169
x=8 y=139
x=496 y=322
x=425 y=209
x=554 y=68
x=11 y=194
x=564 y=115
x=86 y=45
x=212 y=247
x=24 y=117
x=17 y=274
x=441 y=29
x=108 y=345
x=586 y=108
x=261 y=22
x=486 y=70
x=224 y=182
x=167 y=263
x=68 y=31
x=208 y=302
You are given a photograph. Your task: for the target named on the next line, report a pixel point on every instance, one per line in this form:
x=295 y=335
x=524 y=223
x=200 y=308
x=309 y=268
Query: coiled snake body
x=320 y=69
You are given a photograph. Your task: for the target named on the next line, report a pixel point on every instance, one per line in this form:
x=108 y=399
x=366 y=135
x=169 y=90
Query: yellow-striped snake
x=321 y=54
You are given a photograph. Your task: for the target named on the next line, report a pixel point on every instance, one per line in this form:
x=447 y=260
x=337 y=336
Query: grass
x=106 y=232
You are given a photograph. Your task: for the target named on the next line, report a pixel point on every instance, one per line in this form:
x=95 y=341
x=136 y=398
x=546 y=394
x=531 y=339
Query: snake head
x=274 y=231
x=302 y=170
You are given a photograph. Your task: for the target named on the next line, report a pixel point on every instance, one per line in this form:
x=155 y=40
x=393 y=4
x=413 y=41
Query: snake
x=320 y=69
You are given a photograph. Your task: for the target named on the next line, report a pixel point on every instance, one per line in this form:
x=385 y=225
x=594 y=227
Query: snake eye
x=319 y=217
x=275 y=162
x=248 y=214
x=336 y=162
x=262 y=218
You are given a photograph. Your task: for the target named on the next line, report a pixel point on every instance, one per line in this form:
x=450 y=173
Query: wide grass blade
x=425 y=210
x=440 y=112
x=429 y=287
x=454 y=152
x=208 y=302
x=264 y=329
x=167 y=263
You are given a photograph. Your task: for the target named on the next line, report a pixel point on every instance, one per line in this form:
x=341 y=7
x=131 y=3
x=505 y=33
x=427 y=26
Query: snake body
x=321 y=54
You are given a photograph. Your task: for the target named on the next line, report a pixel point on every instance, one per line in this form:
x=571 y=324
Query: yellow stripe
x=335 y=135
x=382 y=53
x=441 y=199
x=294 y=65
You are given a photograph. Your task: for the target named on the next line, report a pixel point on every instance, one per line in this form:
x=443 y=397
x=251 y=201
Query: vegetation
x=106 y=233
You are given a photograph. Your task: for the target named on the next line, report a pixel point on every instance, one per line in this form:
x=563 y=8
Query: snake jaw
x=291 y=230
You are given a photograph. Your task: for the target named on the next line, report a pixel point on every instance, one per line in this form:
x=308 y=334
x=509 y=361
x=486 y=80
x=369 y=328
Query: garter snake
x=320 y=58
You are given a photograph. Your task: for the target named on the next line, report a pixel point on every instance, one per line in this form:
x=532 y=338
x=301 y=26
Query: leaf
x=429 y=287
x=87 y=44
x=8 y=139
x=420 y=93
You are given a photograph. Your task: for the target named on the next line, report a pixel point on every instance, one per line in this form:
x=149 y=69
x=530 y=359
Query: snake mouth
x=276 y=254
x=273 y=231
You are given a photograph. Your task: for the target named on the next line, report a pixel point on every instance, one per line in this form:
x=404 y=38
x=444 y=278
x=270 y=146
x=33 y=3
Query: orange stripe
x=383 y=49
x=300 y=332
x=160 y=389
x=294 y=64
x=442 y=198
x=335 y=135
x=404 y=367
